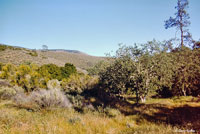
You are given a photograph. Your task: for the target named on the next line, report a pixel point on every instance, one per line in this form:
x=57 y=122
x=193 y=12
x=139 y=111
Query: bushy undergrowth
x=111 y=112
x=42 y=99
x=39 y=86
x=76 y=100
x=52 y=71
x=77 y=83
x=9 y=92
x=1 y=65
x=31 y=76
x=53 y=84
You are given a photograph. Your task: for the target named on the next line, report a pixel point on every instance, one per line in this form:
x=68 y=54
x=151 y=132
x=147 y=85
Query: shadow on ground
x=184 y=116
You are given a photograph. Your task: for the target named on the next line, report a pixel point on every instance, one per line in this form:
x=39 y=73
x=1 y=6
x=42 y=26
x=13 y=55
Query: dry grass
x=59 y=58
x=67 y=121
x=178 y=111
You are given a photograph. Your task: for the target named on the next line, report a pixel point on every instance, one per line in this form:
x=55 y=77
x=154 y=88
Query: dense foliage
x=55 y=72
x=152 y=69
x=31 y=77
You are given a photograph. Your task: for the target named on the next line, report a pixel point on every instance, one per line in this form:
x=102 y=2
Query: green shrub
x=27 y=77
x=67 y=70
x=22 y=77
x=76 y=100
x=1 y=66
x=34 y=80
x=8 y=71
x=51 y=71
x=78 y=83
x=33 y=53
x=3 y=47
x=43 y=82
x=30 y=76
x=99 y=67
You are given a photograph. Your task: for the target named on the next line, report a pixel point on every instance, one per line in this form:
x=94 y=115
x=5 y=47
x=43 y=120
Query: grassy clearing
x=14 y=120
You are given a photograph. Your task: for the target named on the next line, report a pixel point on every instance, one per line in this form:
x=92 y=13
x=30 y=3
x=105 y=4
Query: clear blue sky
x=92 y=26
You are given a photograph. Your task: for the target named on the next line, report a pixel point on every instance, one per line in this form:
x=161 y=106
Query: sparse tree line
x=152 y=70
x=156 y=68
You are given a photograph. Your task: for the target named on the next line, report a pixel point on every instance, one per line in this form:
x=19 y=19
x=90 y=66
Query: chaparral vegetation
x=142 y=89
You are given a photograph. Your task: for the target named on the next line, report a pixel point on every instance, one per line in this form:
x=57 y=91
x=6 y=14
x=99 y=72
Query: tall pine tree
x=180 y=21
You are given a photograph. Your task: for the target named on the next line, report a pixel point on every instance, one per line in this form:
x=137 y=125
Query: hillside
x=59 y=57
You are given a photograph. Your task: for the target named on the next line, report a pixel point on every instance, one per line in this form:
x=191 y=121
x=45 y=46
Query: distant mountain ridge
x=67 y=50
x=19 y=55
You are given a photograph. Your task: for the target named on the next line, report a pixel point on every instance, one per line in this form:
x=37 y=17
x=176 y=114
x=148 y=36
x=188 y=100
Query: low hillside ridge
x=18 y=55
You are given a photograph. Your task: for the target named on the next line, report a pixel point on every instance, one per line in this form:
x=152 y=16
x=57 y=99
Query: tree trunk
x=181 y=23
x=137 y=97
x=181 y=28
x=183 y=90
x=143 y=99
x=181 y=38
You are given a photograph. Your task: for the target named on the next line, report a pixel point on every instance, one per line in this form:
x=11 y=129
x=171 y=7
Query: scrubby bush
x=1 y=66
x=8 y=71
x=34 y=80
x=9 y=92
x=78 y=83
x=3 y=47
x=43 y=82
x=31 y=76
x=76 y=100
x=22 y=77
x=53 y=84
x=42 y=99
x=51 y=71
x=33 y=53
x=27 y=77
x=75 y=86
x=111 y=112
x=67 y=70
x=50 y=98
